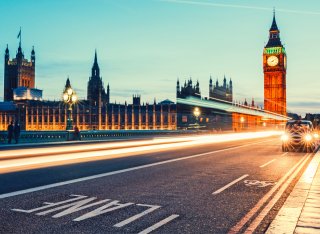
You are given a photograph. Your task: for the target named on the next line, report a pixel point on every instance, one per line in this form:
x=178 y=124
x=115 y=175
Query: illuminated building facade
x=274 y=68
x=52 y=115
x=18 y=72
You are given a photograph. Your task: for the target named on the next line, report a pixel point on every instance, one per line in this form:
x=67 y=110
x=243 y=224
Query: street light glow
x=69 y=91
x=65 y=97
x=196 y=112
x=74 y=98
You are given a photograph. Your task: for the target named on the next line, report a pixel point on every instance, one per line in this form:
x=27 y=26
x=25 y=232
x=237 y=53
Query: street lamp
x=197 y=113
x=70 y=98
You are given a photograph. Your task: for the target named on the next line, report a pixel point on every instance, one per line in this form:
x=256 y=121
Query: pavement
x=301 y=211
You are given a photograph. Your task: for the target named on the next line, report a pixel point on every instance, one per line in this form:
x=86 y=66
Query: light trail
x=106 y=152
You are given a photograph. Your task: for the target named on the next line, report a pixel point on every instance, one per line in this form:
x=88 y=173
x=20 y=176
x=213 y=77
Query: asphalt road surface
x=185 y=188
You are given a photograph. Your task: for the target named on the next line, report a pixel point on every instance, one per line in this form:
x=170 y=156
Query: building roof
x=230 y=107
x=166 y=102
x=7 y=106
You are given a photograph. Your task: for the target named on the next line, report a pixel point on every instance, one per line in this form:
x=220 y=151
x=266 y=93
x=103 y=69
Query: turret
x=6 y=55
x=197 y=87
x=108 y=94
x=178 y=86
x=224 y=82
x=33 y=55
x=230 y=85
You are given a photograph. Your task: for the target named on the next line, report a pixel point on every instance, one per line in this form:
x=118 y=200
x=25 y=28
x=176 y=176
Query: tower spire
x=95 y=68
x=95 y=57
x=274 y=26
x=19 y=36
x=274 y=34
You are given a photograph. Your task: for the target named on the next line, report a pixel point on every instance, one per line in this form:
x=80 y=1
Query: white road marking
x=230 y=184
x=259 y=184
x=114 y=205
x=79 y=203
x=262 y=201
x=159 y=224
x=266 y=164
x=135 y=217
x=284 y=154
x=51 y=204
x=30 y=190
x=255 y=223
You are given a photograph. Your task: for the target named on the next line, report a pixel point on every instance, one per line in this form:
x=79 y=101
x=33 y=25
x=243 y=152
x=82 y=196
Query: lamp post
x=70 y=98
x=197 y=113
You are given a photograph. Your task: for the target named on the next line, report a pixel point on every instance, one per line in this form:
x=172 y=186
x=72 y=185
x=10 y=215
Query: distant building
x=188 y=89
x=96 y=91
x=18 y=72
x=223 y=92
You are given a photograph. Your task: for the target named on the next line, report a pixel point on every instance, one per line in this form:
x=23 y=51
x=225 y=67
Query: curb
x=288 y=219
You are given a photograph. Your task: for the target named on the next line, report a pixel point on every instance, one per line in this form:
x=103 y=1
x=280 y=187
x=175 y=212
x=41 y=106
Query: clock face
x=272 y=61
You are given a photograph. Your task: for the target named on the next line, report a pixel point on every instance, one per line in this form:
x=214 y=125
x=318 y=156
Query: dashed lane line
x=271 y=161
x=266 y=164
x=159 y=224
x=44 y=187
x=229 y=185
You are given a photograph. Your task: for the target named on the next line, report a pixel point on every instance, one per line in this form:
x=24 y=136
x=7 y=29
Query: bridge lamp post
x=70 y=98
x=197 y=113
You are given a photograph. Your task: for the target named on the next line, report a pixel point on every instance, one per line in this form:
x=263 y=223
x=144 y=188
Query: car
x=299 y=135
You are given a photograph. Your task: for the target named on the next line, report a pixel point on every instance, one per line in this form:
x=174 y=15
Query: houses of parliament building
x=23 y=103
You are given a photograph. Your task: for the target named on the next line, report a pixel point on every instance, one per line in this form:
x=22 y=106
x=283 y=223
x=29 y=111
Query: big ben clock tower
x=274 y=69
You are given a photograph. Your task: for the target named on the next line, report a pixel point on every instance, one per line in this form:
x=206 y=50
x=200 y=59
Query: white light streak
x=212 y=4
x=107 y=153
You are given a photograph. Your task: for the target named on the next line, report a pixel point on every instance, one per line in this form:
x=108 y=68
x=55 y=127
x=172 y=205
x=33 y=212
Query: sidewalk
x=301 y=211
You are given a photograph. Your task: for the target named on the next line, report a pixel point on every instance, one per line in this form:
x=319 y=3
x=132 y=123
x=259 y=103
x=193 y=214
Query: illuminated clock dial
x=273 y=61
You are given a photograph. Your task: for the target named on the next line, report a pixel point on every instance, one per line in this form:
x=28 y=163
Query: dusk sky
x=143 y=46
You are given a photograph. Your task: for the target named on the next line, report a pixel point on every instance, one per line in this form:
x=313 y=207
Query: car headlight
x=308 y=137
x=316 y=135
x=284 y=137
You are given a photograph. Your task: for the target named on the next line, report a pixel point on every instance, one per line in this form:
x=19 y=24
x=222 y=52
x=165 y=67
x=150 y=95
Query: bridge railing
x=56 y=136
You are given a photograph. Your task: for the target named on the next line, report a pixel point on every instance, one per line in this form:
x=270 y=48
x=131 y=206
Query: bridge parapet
x=56 y=136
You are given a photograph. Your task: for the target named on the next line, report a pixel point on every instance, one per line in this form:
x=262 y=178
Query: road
x=176 y=186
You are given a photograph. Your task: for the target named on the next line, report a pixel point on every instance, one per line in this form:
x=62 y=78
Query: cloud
x=212 y=4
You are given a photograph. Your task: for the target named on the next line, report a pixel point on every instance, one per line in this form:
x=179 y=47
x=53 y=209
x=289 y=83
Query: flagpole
x=20 y=37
